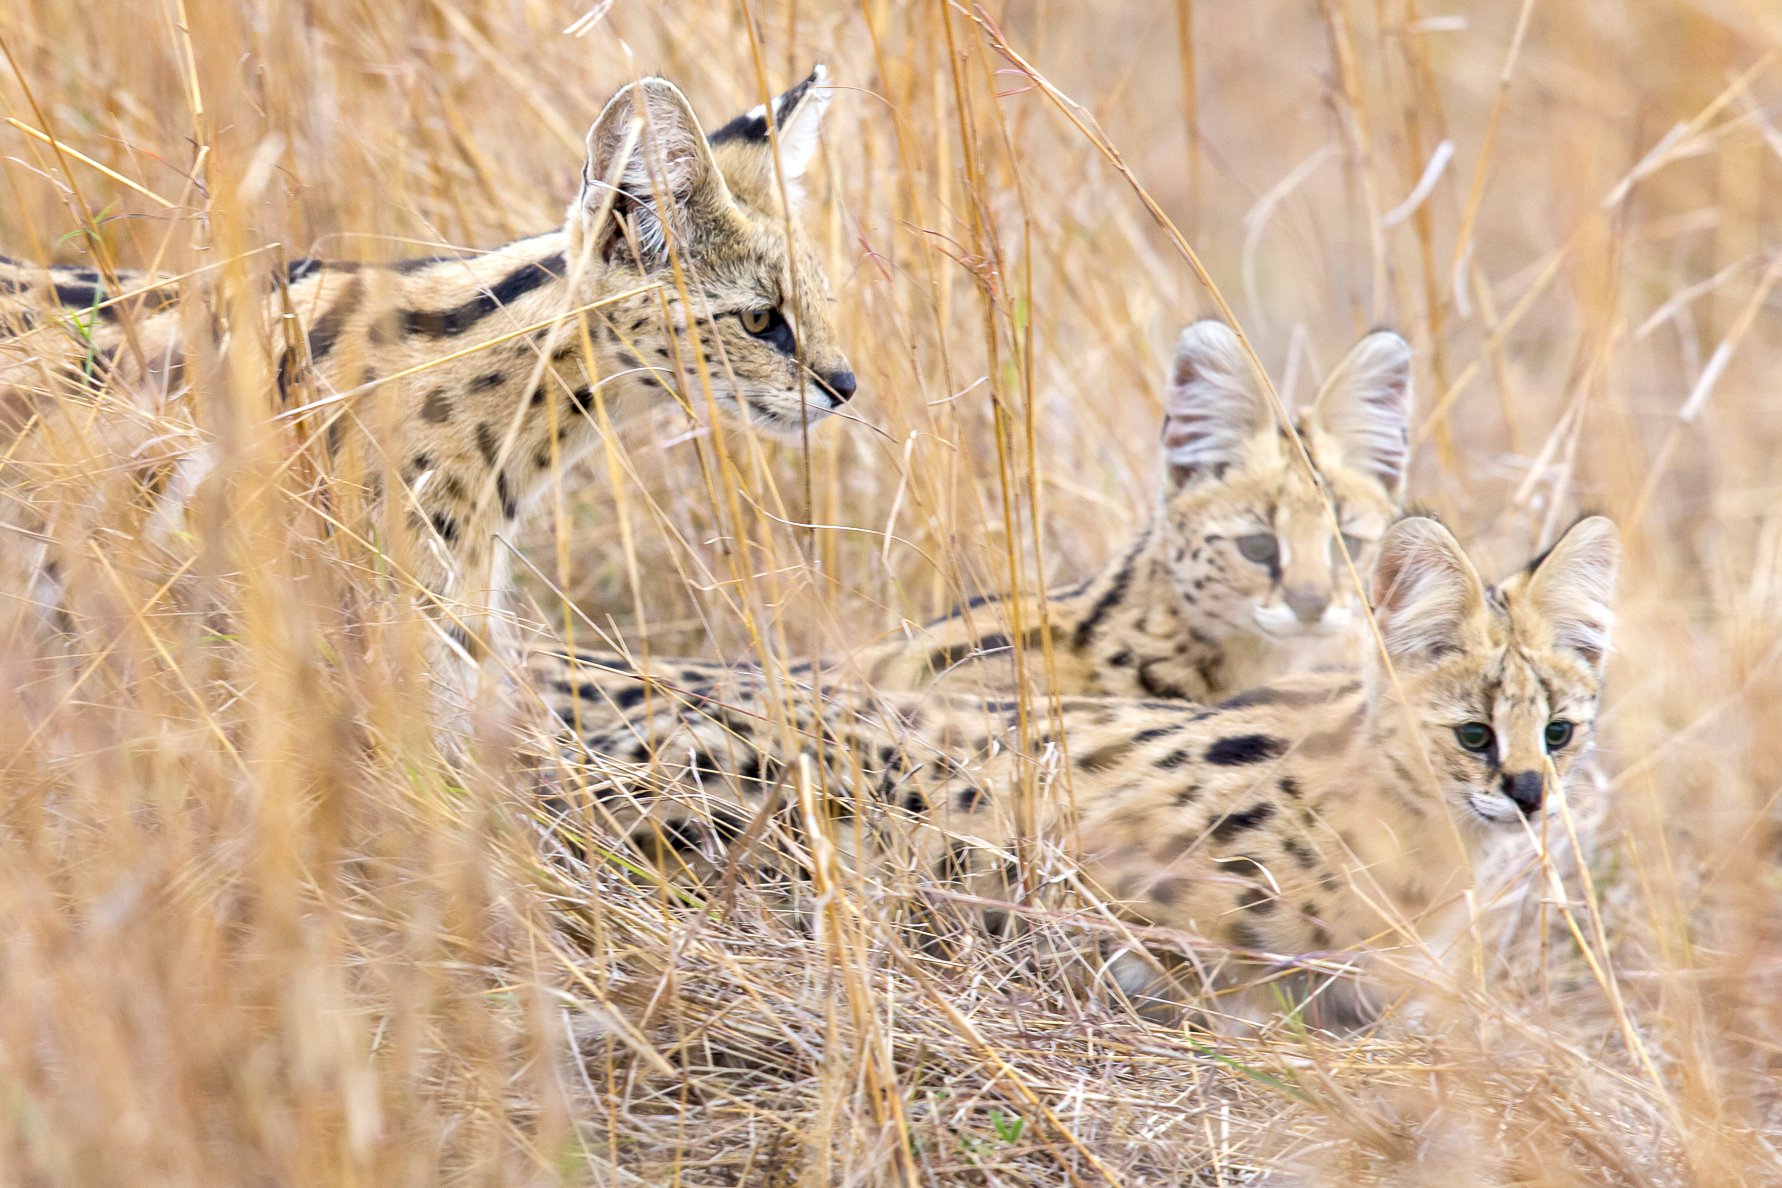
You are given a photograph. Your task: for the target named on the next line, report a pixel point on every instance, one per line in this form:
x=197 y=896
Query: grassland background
x=241 y=946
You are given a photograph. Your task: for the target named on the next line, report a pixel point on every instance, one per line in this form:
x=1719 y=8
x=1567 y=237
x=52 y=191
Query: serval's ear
x=797 y=124
x=648 y=147
x=1215 y=406
x=1573 y=587
x=1365 y=407
x=1425 y=592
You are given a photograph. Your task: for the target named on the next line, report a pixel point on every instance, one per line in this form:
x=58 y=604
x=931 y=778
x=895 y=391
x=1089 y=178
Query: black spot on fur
x=1245 y=748
x=1155 y=686
x=437 y=408
x=1256 y=900
x=325 y=333
x=492 y=379
x=1103 y=758
x=1292 y=698
x=1235 y=823
x=85 y=297
x=485 y=442
x=510 y=507
x=1110 y=598
x=1247 y=937
x=1297 y=851
x=446 y=323
x=446 y=527
x=1174 y=760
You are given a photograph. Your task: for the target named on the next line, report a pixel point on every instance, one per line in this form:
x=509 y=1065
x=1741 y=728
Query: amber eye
x=1558 y=734
x=1474 y=736
x=1259 y=547
x=771 y=327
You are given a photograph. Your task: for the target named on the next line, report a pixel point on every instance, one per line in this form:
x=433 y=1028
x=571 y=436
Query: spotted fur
x=1184 y=611
x=466 y=380
x=1293 y=827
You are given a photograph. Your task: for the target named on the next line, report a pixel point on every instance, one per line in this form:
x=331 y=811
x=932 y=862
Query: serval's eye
x=1259 y=547
x=771 y=327
x=1474 y=736
x=1558 y=734
x=1351 y=545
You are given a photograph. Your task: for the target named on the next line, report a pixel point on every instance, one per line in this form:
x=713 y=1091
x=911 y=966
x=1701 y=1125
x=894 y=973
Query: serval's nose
x=1307 y=602
x=1524 y=789
x=840 y=384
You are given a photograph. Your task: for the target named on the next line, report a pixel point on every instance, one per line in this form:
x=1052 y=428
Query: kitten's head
x=713 y=205
x=1249 y=546
x=1500 y=679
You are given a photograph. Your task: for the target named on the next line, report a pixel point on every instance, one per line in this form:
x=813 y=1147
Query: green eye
x=1558 y=734
x=756 y=321
x=1260 y=548
x=1474 y=736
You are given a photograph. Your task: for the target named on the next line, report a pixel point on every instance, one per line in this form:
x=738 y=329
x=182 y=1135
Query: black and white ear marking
x=1365 y=406
x=797 y=121
x=662 y=170
x=1215 y=406
x=1573 y=586
x=1423 y=590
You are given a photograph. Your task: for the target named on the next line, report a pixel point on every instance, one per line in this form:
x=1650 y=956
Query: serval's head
x=1250 y=547
x=711 y=213
x=1499 y=679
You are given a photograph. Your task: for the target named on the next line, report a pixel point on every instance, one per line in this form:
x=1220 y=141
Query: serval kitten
x=1319 y=820
x=463 y=382
x=1240 y=577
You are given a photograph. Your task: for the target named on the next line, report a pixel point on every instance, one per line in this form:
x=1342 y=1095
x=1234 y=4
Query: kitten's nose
x=1524 y=790
x=840 y=385
x=1307 y=603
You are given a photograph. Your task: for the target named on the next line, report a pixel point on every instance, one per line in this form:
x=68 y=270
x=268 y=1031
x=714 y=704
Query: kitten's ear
x=1573 y=587
x=647 y=145
x=1424 y=591
x=797 y=125
x=1215 y=406
x=1365 y=407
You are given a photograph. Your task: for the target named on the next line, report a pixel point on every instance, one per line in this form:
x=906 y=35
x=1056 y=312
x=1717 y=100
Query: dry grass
x=257 y=931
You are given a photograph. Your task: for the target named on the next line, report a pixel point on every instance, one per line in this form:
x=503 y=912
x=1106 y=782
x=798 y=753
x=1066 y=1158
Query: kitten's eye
x=1259 y=547
x=1558 y=734
x=1474 y=736
x=756 y=321
x=1351 y=545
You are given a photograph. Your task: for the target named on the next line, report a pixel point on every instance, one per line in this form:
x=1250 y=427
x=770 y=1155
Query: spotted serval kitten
x=1319 y=819
x=469 y=378
x=1239 y=577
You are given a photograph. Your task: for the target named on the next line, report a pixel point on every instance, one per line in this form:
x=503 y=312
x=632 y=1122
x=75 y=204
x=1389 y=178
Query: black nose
x=1524 y=790
x=841 y=385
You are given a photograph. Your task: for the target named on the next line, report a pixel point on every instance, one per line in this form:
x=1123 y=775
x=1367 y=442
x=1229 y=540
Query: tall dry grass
x=257 y=930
